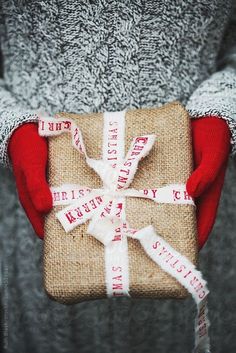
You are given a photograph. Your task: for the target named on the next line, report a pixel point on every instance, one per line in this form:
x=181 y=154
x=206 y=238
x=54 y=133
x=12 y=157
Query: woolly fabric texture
x=88 y=56
x=140 y=53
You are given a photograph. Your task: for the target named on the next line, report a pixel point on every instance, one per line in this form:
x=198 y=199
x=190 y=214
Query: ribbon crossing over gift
x=105 y=208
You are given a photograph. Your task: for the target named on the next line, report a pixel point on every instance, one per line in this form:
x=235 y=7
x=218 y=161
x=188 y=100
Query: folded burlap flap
x=74 y=262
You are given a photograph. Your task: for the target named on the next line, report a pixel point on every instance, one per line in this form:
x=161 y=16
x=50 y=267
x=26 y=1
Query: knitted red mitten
x=28 y=153
x=211 y=147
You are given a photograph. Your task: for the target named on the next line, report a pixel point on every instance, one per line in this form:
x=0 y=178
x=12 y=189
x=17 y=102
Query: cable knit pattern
x=90 y=56
x=217 y=96
x=12 y=116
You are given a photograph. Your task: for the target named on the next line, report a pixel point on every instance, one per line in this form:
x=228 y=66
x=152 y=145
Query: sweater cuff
x=13 y=122
x=205 y=110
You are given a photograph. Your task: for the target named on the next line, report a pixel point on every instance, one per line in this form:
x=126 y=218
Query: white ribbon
x=105 y=208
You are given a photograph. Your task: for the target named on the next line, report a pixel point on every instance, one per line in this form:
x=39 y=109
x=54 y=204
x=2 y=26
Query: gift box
x=75 y=261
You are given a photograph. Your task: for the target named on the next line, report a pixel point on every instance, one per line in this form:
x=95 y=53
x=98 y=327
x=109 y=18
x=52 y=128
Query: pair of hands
x=211 y=147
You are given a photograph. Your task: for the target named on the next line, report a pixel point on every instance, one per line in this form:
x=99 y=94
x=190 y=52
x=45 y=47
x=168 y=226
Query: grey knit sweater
x=91 y=56
x=97 y=55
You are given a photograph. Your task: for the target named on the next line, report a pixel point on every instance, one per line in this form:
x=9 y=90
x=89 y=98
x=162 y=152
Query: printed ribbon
x=105 y=208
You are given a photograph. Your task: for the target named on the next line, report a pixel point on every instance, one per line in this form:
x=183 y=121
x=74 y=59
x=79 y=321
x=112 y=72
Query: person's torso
x=90 y=56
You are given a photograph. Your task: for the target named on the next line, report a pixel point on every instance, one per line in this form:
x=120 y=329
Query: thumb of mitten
x=29 y=153
x=211 y=145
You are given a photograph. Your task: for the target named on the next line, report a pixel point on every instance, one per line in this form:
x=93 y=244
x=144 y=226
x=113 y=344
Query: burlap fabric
x=74 y=262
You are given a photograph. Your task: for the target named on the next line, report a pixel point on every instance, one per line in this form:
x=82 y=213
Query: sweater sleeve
x=217 y=94
x=12 y=114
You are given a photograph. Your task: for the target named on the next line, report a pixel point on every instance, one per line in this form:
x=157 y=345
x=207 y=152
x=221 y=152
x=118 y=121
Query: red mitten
x=211 y=147
x=29 y=153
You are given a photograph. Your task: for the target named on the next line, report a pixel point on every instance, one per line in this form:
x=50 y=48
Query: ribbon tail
x=117 y=265
x=201 y=328
x=164 y=255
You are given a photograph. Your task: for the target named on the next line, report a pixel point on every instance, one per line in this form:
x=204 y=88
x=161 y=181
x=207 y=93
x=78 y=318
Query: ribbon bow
x=105 y=206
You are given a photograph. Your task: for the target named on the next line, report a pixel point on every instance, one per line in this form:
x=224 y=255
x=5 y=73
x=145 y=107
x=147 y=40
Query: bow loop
x=140 y=147
x=105 y=171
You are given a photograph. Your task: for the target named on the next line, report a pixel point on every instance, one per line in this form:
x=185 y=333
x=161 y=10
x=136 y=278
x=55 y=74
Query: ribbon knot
x=107 y=202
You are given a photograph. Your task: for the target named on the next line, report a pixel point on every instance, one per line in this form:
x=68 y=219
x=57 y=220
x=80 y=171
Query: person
x=82 y=57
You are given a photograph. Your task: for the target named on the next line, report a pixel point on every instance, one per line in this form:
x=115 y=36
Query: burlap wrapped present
x=74 y=262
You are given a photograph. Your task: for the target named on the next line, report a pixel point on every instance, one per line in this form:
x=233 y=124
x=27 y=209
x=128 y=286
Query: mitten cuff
x=13 y=122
